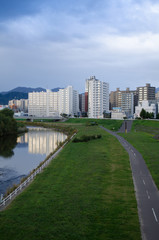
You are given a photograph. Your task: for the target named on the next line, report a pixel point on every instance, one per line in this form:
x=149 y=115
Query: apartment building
x=146 y=93
x=42 y=104
x=82 y=102
x=127 y=104
x=98 y=97
x=52 y=104
x=116 y=98
x=157 y=96
x=68 y=101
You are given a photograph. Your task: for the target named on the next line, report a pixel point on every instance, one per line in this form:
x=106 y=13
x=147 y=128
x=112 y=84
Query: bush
x=85 y=138
x=91 y=123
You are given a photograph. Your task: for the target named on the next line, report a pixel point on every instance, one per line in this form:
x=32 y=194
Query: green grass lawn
x=146 y=126
x=142 y=138
x=86 y=193
x=108 y=123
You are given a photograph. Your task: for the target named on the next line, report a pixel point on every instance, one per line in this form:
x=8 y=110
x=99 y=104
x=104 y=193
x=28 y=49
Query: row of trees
x=145 y=115
x=8 y=125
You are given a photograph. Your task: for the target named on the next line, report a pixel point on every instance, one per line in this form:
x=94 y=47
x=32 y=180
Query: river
x=19 y=156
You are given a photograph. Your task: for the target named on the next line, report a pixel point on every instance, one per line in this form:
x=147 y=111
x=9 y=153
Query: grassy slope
x=141 y=137
x=108 y=123
x=85 y=193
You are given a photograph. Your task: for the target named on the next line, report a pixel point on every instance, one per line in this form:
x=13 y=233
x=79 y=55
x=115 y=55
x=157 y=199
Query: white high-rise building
x=98 y=97
x=52 y=104
x=42 y=104
x=68 y=101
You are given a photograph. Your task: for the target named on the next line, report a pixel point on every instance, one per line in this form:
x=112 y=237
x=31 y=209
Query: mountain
x=17 y=93
x=27 y=90
x=157 y=89
x=56 y=89
x=4 y=98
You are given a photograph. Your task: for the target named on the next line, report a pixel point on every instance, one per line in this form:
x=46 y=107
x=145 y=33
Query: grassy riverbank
x=86 y=193
x=108 y=123
x=142 y=137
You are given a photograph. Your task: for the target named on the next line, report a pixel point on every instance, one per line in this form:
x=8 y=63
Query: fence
x=5 y=200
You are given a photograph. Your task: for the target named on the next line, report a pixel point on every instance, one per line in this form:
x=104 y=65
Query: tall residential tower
x=98 y=97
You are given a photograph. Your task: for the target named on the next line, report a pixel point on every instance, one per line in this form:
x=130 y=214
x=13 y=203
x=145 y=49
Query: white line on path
x=143 y=182
x=148 y=194
x=154 y=215
x=134 y=154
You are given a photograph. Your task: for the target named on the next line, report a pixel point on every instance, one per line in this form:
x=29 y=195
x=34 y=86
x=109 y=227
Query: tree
x=152 y=115
x=7 y=112
x=8 y=124
x=157 y=116
x=143 y=114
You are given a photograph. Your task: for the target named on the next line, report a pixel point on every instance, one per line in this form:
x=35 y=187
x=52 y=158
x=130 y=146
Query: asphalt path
x=147 y=194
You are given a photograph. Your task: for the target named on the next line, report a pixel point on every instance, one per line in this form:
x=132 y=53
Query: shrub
x=88 y=123
x=86 y=138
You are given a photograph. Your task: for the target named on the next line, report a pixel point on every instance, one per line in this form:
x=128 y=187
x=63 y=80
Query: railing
x=5 y=200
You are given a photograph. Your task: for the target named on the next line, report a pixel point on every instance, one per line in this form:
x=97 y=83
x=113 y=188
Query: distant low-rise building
x=3 y=107
x=117 y=113
x=18 y=105
x=150 y=106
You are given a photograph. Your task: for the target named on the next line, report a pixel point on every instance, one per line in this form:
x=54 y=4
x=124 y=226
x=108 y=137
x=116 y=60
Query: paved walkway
x=147 y=194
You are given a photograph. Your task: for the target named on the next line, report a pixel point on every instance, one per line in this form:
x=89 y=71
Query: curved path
x=147 y=194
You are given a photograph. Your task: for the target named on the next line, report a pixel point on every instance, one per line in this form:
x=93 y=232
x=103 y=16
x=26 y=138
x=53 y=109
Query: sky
x=56 y=43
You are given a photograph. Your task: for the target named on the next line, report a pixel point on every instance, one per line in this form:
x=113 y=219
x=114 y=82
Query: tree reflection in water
x=7 y=144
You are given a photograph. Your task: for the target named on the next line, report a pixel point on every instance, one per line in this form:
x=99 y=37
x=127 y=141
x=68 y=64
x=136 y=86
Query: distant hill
x=56 y=89
x=4 y=98
x=27 y=90
x=157 y=89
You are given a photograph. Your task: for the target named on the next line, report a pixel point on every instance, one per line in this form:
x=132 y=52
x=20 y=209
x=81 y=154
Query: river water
x=19 y=156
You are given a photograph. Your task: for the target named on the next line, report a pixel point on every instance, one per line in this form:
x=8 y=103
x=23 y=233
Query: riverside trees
x=8 y=125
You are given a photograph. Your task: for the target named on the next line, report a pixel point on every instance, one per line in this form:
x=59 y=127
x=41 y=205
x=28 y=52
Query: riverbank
x=30 y=151
x=145 y=138
x=86 y=193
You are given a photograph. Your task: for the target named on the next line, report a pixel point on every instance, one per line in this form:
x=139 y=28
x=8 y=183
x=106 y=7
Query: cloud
x=69 y=42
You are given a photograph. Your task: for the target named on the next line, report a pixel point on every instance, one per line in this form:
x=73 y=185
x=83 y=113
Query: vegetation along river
x=20 y=155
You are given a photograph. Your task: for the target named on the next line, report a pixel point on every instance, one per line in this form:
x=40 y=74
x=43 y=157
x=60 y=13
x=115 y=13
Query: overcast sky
x=56 y=43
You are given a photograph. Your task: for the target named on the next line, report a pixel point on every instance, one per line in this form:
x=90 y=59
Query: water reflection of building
x=41 y=141
x=23 y=139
